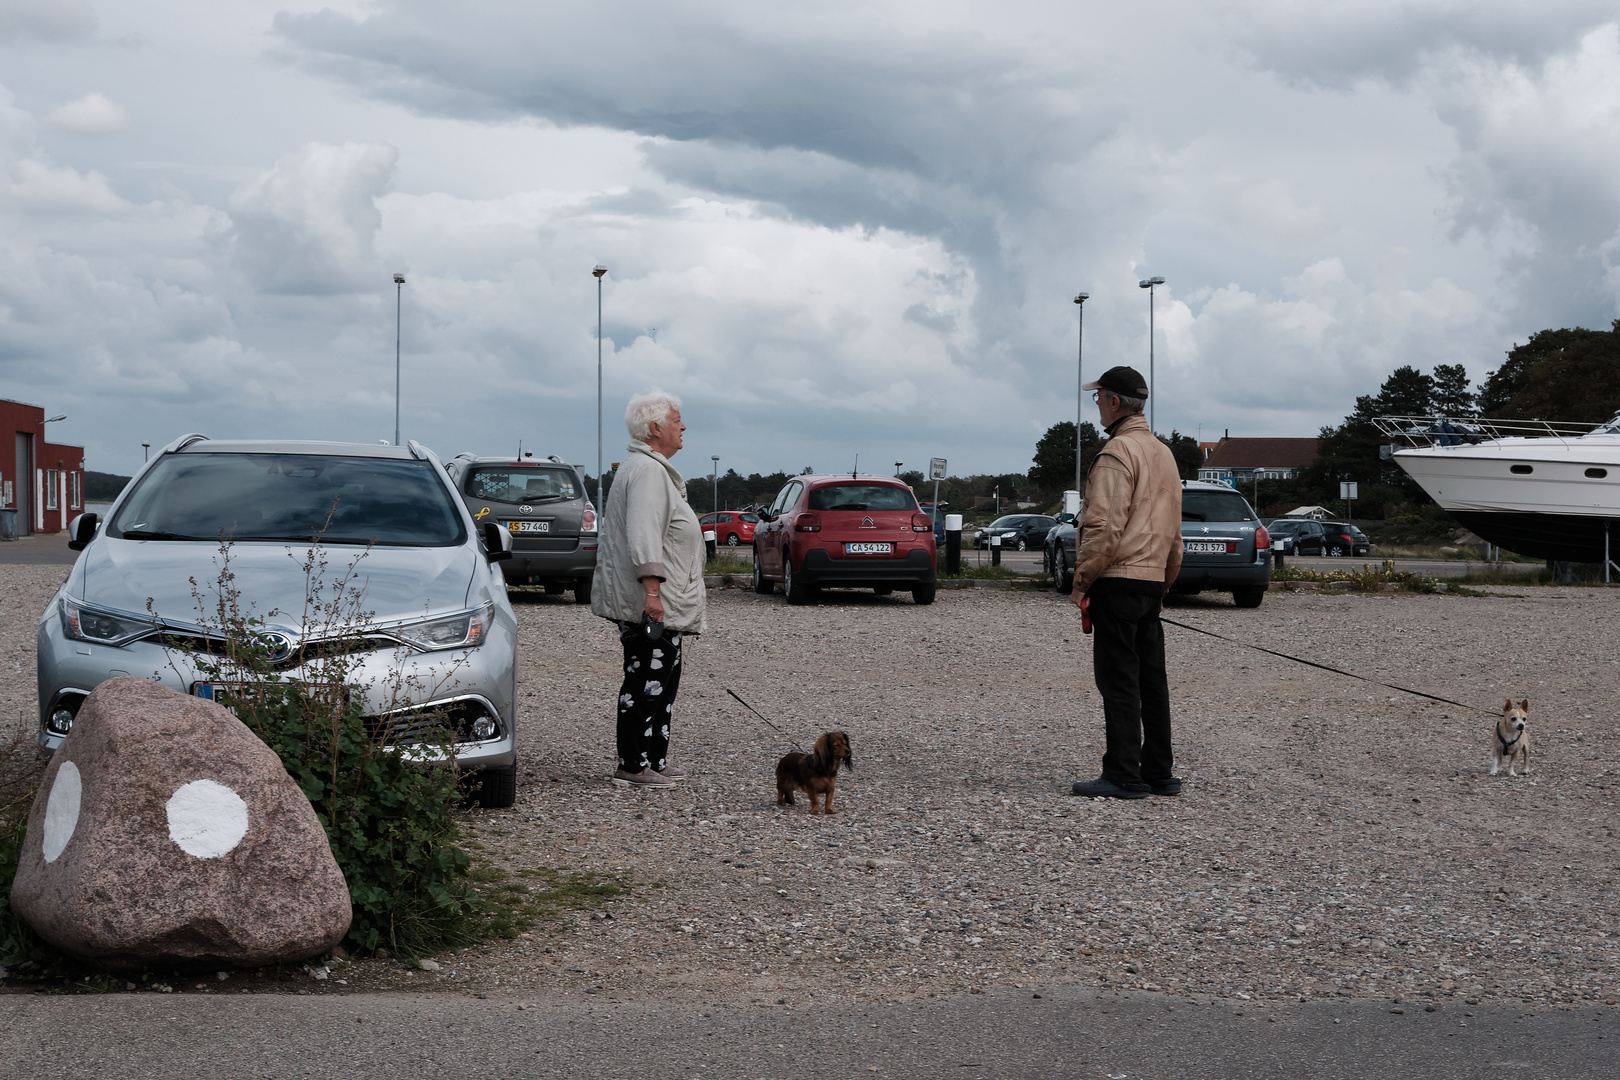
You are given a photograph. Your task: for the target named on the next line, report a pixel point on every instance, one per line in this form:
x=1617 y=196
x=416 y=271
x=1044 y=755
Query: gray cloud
x=46 y=20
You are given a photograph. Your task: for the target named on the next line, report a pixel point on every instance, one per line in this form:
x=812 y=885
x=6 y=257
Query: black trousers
x=652 y=674
x=1127 y=658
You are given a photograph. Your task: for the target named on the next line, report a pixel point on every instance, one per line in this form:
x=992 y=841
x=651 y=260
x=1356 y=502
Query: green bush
x=387 y=815
x=1367 y=579
x=18 y=943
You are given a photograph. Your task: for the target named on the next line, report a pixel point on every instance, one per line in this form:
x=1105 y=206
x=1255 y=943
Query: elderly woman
x=649 y=580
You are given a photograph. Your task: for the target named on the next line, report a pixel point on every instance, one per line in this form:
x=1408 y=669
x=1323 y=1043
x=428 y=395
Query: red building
x=42 y=481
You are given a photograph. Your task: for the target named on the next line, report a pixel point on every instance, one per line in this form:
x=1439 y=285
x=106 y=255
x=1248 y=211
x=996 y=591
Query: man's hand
x=655 y=605
x=1078 y=596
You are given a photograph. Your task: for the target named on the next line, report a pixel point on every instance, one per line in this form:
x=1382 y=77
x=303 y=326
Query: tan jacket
x=649 y=530
x=1131 y=525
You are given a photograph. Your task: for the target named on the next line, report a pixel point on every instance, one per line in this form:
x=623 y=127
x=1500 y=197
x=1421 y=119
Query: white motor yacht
x=1545 y=490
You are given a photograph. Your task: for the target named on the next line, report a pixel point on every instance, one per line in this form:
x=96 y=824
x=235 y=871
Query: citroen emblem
x=525 y=509
x=866 y=523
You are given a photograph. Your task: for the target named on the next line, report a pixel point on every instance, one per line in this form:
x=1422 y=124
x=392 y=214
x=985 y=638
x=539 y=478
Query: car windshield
x=1011 y=521
x=862 y=497
x=289 y=497
x=521 y=483
x=751 y=518
x=1214 y=506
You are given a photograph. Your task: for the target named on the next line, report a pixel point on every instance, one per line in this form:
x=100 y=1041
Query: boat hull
x=1548 y=498
x=1563 y=537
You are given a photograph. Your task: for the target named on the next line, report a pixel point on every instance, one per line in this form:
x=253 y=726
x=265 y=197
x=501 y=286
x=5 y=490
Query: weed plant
x=1368 y=579
x=23 y=767
x=385 y=798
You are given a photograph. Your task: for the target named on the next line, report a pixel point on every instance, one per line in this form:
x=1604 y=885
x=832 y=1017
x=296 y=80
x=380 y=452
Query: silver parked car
x=437 y=637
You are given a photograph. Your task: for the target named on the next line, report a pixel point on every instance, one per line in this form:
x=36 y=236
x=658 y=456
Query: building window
x=74 y=495
x=50 y=490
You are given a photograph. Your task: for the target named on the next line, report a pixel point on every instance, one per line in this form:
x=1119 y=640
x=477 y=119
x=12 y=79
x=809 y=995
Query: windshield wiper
x=153 y=534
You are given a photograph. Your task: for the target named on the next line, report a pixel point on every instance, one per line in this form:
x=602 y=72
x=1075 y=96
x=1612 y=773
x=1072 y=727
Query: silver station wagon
x=430 y=633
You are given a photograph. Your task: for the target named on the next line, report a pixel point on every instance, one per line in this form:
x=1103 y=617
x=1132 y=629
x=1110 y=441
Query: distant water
x=98 y=508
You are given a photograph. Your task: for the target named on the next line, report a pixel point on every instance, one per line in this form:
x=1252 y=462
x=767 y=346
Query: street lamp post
x=1080 y=401
x=716 y=459
x=897 y=469
x=146 y=452
x=597 y=273
x=1148 y=283
x=399 y=290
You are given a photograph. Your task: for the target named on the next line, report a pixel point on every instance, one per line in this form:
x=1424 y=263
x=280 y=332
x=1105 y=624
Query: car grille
x=311 y=651
x=429 y=723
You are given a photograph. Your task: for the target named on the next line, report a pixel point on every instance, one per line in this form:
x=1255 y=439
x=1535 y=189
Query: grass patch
x=513 y=903
x=1368 y=579
x=728 y=563
x=1450 y=553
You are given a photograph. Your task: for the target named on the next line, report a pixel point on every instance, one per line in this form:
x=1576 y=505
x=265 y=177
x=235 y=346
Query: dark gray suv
x=542 y=503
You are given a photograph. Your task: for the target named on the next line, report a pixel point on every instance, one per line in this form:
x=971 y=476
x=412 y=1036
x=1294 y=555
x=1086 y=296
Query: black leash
x=1324 y=667
x=755 y=711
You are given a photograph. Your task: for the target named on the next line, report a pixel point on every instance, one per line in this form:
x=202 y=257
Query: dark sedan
x=1018 y=532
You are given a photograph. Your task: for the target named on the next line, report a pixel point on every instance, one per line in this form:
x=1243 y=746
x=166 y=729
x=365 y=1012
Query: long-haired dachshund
x=814 y=773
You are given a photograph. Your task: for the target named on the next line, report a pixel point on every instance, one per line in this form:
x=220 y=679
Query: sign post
x=1347 y=492
x=936 y=473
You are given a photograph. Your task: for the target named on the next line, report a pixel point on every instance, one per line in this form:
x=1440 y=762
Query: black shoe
x=1103 y=788
x=1167 y=785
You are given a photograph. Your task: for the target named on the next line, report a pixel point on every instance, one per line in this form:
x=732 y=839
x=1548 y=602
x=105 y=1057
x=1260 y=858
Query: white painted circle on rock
x=207 y=819
x=62 y=809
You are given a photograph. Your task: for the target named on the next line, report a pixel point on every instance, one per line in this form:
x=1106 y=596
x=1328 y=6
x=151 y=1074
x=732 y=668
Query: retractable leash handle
x=1085 y=614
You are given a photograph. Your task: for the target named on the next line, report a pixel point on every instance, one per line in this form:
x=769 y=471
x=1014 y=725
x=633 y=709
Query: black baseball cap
x=1124 y=381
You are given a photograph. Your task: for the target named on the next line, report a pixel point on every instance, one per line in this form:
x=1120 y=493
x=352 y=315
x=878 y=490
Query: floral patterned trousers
x=652 y=673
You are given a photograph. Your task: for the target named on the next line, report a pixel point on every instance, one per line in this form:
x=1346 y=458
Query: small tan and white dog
x=1510 y=740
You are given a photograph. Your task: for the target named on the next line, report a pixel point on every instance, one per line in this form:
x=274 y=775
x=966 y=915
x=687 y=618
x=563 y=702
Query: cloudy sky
x=833 y=229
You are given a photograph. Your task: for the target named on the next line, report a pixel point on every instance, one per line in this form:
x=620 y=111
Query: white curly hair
x=647 y=409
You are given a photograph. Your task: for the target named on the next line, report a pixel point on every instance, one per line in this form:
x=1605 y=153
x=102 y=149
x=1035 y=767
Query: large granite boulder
x=166 y=832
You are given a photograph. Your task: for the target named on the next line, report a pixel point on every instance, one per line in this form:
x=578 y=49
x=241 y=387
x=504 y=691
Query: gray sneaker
x=645 y=778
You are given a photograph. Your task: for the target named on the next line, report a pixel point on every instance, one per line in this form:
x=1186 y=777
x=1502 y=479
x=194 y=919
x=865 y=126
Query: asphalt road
x=40 y=549
x=1004 y=1033
x=1029 y=562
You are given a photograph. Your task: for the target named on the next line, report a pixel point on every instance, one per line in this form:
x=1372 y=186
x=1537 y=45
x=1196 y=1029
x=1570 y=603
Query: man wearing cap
x=1128 y=557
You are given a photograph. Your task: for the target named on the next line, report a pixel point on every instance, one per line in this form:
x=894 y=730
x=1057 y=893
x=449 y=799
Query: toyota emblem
x=277 y=646
x=525 y=509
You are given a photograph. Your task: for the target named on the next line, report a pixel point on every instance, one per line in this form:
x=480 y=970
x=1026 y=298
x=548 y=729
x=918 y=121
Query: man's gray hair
x=1128 y=404
x=647 y=409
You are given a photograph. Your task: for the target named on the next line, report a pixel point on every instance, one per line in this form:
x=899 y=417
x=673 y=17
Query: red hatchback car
x=850 y=531
x=731 y=527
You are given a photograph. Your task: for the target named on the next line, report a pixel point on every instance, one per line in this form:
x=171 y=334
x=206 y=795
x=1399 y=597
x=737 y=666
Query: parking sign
x=936 y=469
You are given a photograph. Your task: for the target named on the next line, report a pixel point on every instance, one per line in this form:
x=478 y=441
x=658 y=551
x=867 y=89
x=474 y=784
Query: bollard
x=708 y=541
x=953 y=544
x=995 y=551
x=1277 y=557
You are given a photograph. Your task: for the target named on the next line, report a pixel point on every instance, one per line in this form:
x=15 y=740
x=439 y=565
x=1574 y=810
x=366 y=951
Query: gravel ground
x=1334 y=839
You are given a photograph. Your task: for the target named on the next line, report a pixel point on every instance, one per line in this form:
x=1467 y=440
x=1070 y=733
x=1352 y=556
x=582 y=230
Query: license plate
x=1204 y=547
x=528 y=526
x=869 y=548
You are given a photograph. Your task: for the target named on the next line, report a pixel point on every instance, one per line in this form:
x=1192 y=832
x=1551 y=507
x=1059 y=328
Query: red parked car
x=731 y=527
x=850 y=531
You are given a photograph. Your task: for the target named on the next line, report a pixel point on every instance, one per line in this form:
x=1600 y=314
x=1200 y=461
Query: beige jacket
x=1131 y=525
x=649 y=530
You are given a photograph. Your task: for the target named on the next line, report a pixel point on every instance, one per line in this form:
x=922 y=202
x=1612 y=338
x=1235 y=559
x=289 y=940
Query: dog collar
x=1507 y=746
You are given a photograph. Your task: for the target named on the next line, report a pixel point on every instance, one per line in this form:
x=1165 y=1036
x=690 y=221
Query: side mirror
x=82 y=530
x=497 y=542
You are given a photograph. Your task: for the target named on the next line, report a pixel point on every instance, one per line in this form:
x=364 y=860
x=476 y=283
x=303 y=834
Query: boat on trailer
x=1547 y=490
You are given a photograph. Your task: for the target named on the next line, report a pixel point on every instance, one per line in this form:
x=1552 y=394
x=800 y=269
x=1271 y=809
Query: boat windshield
x=1611 y=428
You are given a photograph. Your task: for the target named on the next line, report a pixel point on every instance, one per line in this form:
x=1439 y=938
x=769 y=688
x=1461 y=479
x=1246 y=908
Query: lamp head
x=599 y=271
x=1155 y=281
x=1082 y=297
x=399 y=279
x=54 y=419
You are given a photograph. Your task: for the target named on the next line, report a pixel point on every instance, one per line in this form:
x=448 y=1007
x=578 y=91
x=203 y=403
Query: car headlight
x=84 y=623
x=465 y=630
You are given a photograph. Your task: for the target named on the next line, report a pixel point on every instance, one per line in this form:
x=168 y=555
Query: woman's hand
x=655 y=605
